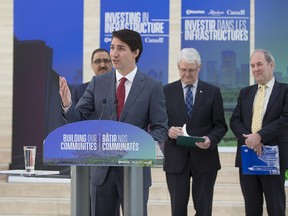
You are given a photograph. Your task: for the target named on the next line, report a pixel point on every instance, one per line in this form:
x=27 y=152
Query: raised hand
x=64 y=92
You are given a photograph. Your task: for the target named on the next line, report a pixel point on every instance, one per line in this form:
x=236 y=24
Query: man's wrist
x=66 y=108
x=259 y=137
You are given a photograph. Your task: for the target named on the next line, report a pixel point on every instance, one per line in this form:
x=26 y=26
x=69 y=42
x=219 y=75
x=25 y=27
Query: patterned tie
x=189 y=100
x=120 y=94
x=258 y=109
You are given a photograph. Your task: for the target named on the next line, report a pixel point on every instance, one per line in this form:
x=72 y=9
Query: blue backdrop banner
x=220 y=31
x=48 y=43
x=274 y=40
x=150 y=21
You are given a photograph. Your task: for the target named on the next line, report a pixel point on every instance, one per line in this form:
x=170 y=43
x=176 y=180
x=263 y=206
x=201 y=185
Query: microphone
x=114 y=109
x=103 y=108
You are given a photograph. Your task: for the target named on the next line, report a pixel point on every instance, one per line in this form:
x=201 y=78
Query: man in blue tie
x=199 y=105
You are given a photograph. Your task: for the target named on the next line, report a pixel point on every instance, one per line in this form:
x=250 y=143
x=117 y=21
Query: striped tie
x=258 y=109
x=189 y=100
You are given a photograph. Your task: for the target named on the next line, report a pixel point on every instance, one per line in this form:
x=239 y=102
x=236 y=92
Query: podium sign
x=99 y=142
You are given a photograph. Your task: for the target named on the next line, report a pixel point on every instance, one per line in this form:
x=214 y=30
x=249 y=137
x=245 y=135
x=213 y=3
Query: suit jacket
x=207 y=120
x=144 y=106
x=275 y=120
x=78 y=92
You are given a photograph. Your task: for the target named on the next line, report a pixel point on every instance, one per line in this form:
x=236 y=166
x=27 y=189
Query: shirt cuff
x=65 y=109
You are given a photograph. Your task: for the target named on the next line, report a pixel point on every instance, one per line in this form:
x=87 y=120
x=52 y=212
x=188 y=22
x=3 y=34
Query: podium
x=101 y=143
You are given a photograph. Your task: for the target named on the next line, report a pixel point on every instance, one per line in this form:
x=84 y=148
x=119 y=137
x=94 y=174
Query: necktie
x=189 y=100
x=258 y=109
x=120 y=96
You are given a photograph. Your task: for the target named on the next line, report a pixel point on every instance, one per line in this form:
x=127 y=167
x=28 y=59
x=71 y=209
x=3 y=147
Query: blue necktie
x=189 y=100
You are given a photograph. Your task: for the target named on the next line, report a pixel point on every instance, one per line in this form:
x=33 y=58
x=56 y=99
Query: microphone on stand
x=103 y=108
x=114 y=108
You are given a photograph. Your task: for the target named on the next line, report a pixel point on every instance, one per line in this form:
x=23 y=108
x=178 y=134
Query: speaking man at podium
x=125 y=95
x=100 y=64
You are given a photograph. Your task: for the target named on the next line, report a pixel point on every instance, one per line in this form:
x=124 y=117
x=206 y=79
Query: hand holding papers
x=188 y=141
x=184 y=130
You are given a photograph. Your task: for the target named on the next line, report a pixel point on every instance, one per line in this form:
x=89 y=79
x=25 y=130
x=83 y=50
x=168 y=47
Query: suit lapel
x=248 y=103
x=136 y=88
x=111 y=81
x=198 y=96
x=180 y=101
x=275 y=92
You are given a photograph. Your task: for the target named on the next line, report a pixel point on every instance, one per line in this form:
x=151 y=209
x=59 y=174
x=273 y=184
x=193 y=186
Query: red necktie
x=120 y=96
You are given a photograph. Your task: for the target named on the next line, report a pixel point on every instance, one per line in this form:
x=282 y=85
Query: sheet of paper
x=184 y=130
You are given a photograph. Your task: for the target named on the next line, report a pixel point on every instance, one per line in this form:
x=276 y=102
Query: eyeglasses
x=99 y=61
x=190 y=71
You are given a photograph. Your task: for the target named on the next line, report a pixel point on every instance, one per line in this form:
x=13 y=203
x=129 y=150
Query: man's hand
x=258 y=149
x=252 y=140
x=174 y=132
x=64 y=92
x=204 y=145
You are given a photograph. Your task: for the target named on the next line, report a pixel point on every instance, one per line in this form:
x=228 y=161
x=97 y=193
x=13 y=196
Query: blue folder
x=266 y=164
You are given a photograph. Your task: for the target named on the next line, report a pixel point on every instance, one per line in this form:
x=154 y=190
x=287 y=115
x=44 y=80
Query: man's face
x=188 y=72
x=261 y=69
x=101 y=63
x=122 y=57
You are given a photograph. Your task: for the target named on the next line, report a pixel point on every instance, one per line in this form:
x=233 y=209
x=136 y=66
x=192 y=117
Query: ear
x=136 y=53
x=272 y=64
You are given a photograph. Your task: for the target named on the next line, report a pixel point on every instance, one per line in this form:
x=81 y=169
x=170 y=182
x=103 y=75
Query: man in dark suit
x=100 y=64
x=206 y=120
x=272 y=132
x=144 y=106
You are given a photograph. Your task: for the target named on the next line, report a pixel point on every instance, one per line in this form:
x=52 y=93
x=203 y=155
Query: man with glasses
x=100 y=64
x=199 y=105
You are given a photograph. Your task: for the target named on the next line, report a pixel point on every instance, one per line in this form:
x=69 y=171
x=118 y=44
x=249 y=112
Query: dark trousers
x=109 y=196
x=202 y=191
x=272 y=186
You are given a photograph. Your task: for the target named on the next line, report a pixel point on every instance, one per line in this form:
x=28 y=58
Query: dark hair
x=99 y=50
x=130 y=37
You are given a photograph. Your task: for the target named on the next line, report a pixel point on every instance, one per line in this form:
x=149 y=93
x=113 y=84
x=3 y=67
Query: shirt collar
x=130 y=76
x=195 y=84
x=270 y=84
